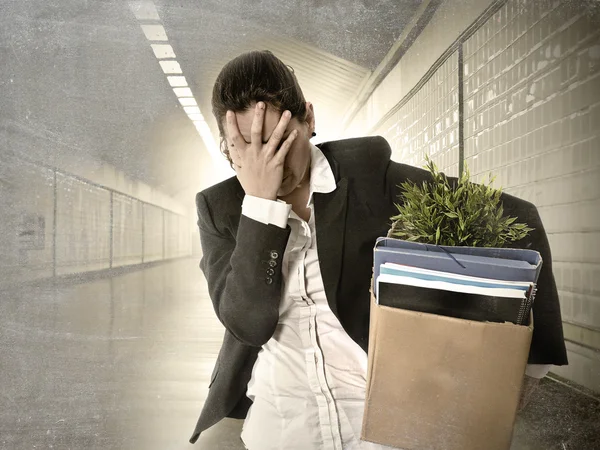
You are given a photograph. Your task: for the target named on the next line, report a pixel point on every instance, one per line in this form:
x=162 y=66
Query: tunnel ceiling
x=79 y=79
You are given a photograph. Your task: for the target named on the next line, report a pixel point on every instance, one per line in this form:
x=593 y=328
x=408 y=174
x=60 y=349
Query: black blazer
x=238 y=253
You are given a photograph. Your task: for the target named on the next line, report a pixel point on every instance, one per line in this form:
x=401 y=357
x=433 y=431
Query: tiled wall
x=154 y=244
x=127 y=234
x=55 y=223
x=531 y=94
x=531 y=103
x=532 y=117
x=427 y=124
x=83 y=226
x=26 y=228
x=176 y=242
x=185 y=239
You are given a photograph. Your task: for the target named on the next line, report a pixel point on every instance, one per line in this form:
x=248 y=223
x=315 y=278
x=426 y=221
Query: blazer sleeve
x=243 y=273
x=547 y=346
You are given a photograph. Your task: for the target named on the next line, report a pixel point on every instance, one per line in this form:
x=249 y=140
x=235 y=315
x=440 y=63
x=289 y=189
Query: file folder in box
x=508 y=264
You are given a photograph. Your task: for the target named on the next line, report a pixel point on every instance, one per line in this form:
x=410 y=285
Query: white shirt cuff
x=537 y=370
x=266 y=211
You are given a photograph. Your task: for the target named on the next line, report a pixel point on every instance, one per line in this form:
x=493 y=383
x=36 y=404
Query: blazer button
x=272 y=263
x=270 y=272
x=269 y=280
x=274 y=254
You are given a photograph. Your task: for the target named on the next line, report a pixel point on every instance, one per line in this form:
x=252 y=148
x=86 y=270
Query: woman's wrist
x=266 y=211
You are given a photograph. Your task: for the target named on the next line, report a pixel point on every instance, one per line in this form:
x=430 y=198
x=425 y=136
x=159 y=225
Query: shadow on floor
x=558 y=417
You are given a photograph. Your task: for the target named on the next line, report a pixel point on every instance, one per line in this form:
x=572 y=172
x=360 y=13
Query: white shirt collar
x=321 y=175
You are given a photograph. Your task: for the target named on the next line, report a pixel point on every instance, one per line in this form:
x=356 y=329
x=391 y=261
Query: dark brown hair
x=252 y=77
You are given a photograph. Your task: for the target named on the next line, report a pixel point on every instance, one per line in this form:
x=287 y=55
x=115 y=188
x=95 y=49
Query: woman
x=287 y=254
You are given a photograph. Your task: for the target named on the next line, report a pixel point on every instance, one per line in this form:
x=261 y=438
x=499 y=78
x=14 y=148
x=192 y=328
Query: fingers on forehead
x=283 y=123
x=259 y=119
x=285 y=119
x=233 y=129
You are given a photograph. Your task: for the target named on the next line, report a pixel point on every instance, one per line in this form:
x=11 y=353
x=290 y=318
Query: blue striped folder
x=475 y=283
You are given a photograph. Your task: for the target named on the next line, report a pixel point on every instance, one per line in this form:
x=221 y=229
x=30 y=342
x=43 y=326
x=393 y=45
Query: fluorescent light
x=196 y=117
x=144 y=10
x=202 y=127
x=170 y=67
x=183 y=92
x=192 y=110
x=155 y=32
x=210 y=143
x=162 y=51
x=208 y=139
x=188 y=101
x=177 y=81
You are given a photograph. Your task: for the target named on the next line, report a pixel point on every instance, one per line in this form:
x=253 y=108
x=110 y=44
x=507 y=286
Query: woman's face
x=296 y=169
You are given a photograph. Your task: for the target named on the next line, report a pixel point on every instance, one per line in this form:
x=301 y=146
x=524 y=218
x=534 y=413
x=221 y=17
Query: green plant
x=466 y=214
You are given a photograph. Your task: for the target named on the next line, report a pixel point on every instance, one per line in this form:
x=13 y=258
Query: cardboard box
x=441 y=383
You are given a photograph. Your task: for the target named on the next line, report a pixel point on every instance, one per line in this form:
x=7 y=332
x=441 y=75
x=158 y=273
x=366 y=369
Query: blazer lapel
x=330 y=222
x=234 y=219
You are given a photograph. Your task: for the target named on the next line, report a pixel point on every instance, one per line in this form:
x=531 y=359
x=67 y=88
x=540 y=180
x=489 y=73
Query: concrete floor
x=124 y=362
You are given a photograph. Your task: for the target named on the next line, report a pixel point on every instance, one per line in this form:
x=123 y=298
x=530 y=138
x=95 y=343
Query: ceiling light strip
x=147 y=15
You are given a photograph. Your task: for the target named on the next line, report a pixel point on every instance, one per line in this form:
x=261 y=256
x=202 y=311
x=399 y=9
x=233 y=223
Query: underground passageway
x=108 y=337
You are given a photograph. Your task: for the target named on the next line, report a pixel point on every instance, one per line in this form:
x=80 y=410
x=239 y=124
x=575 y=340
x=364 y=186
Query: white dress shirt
x=308 y=382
